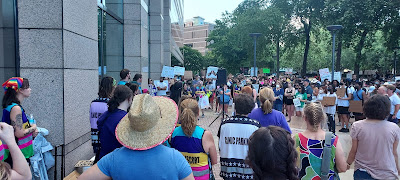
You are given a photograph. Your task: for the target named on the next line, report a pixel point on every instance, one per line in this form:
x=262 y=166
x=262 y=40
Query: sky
x=210 y=10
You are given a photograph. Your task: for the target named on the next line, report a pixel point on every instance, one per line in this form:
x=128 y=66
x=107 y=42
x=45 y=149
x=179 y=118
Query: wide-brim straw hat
x=149 y=122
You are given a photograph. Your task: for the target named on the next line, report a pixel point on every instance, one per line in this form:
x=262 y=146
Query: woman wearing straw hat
x=117 y=108
x=195 y=143
x=16 y=90
x=150 y=122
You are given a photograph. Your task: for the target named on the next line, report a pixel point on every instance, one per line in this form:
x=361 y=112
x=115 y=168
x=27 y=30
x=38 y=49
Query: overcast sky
x=210 y=10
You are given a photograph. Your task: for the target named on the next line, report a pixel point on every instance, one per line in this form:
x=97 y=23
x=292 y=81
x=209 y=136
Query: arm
x=17 y=123
x=285 y=94
x=396 y=110
x=20 y=168
x=209 y=147
x=254 y=95
x=396 y=157
x=190 y=177
x=352 y=153
x=365 y=97
x=340 y=161
x=93 y=173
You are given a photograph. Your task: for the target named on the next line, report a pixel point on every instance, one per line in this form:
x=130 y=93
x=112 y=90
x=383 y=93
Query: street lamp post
x=255 y=36
x=395 y=60
x=333 y=29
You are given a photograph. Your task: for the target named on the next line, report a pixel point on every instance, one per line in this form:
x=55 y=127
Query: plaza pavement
x=297 y=125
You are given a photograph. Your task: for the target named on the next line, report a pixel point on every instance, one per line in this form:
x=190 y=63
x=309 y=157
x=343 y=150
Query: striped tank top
x=24 y=143
x=192 y=149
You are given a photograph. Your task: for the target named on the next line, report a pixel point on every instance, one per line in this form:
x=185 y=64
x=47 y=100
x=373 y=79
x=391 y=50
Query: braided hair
x=314 y=115
x=272 y=154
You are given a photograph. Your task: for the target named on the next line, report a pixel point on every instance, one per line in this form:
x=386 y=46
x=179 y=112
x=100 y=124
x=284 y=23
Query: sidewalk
x=297 y=125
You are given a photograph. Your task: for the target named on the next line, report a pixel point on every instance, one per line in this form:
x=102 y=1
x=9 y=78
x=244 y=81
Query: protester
x=330 y=110
x=264 y=159
x=16 y=90
x=98 y=107
x=151 y=120
x=343 y=107
x=125 y=75
x=210 y=88
x=194 y=142
x=311 y=142
x=137 y=79
x=266 y=115
x=375 y=142
x=20 y=168
x=162 y=86
x=225 y=96
x=118 y=107
x=176 y=91
x=309 y=90
x=395 y=104
x=233 y=136
x=278 y=93
x=301 y=95
x=152 y=88
x=359 y=95
x=289 y=93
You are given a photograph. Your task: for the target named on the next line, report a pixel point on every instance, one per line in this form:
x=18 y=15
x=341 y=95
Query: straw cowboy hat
x=149 y=122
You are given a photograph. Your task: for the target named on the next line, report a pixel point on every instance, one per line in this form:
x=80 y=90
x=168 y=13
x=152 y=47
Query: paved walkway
x=297 y=125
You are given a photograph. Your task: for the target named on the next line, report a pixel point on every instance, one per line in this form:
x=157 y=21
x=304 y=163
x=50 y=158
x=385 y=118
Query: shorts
x=289 y=102
x=224 y=102
x=299 y=109
x=343 y=110
x=284 y=99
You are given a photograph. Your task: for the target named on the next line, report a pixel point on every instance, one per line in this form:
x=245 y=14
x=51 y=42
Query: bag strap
x=326 y=158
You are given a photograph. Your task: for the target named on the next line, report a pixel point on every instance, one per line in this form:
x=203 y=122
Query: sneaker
x=202 y=116
x=338 y=124
x=216 y=113
x=342 y=130
x=346 y=130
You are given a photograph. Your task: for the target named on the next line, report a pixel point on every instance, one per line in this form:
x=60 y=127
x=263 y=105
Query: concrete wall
x=59 y=55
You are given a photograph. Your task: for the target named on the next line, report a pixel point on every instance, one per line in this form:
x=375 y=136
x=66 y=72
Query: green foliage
x=371 y=31
x=193 y=59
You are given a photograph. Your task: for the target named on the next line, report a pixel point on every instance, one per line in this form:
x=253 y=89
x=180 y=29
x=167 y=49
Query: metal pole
x=255 y=55
x=395 y=62
x=277 y=57
x=333 y=55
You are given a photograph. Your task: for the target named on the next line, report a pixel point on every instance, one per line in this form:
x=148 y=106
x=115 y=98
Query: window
x=111 y=38
x=8 y=47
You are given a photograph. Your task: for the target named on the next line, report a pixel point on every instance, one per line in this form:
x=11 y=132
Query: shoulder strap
x=326 y=156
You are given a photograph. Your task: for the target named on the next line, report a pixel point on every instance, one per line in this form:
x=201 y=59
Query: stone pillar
x=59 y=55
x=167 y=34
x=156 y=9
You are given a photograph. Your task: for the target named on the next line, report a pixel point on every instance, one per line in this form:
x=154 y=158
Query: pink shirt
x=375 y=147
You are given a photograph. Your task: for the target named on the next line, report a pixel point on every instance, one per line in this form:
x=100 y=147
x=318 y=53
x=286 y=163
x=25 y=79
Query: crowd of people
x=152 y=132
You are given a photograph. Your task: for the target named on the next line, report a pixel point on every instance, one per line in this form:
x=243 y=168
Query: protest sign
x=179 y=70
x=168 y=72
x=188 y=75
x=266 y=70
x=212 y=72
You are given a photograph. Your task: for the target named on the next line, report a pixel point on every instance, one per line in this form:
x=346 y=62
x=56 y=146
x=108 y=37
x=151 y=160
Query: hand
x=35 y=133
x=7 y=133
x=394 y=117
x=348 y=166
x=33 y=126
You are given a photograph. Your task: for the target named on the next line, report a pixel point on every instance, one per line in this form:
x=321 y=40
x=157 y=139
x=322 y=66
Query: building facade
x=196 y=32
x=64 y=47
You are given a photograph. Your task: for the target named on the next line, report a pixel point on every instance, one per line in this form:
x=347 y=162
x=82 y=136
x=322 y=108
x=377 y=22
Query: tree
x=193 y=60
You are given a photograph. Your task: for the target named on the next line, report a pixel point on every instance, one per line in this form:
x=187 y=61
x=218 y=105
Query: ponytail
x=189 y=109
x=121 y=93
x=267 y=107
x=188 y=121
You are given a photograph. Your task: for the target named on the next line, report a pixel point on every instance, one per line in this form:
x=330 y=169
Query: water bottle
x=31 y=119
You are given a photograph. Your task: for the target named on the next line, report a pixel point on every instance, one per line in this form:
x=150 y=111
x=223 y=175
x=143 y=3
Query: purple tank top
x=97 y=108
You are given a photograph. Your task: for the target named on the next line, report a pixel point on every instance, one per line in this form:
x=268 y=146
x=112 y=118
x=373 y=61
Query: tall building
x=196 y=32
x=64 y=47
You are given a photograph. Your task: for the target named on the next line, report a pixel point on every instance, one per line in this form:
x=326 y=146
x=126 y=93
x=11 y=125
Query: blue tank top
x=357 y=96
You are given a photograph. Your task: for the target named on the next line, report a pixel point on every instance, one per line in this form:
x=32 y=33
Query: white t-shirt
x=394 y=100
x=161 y=85
x=328 y=109
x=345 y=103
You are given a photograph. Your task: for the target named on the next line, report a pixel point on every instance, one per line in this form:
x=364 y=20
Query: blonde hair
x=267 y=98
x=314 y=114
x=187 y=117
x=5 y=171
